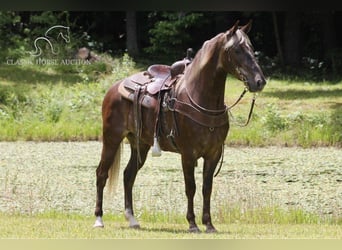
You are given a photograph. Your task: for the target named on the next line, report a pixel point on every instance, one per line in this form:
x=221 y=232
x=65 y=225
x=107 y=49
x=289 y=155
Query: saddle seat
x=159 y=71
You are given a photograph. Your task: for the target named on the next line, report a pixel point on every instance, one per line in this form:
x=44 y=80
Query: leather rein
x=250 y=111
x=227 y=108
x=218 y=113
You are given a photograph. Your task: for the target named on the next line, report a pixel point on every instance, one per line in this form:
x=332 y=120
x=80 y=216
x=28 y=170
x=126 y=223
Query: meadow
x=50 y=133
x=47 y=190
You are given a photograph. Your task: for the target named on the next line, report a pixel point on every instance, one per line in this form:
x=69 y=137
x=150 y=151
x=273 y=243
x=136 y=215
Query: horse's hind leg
x=109 y=151
x=130 y=174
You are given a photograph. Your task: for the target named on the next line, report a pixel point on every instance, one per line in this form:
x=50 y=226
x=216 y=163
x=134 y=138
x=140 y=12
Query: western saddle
x=146 y=88
x=156 y=78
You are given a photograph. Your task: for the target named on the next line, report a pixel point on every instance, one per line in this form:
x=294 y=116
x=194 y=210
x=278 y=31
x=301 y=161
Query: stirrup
x=156 y=151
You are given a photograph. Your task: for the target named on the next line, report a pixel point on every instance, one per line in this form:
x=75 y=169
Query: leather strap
x=146 y=100
x=210 y=121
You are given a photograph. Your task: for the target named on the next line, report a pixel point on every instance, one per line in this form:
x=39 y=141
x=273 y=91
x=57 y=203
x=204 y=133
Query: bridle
x=242 y=78
x=226 y=108
x=250 y=111
x=240 y=125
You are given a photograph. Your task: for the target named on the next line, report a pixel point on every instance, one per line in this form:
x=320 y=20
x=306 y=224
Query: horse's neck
x=206 y=83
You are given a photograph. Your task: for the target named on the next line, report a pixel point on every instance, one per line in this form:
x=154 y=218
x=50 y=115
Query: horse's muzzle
x=261 y=83
x=258 y=85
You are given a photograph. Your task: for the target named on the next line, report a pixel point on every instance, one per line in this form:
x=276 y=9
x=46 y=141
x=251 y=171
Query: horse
x=194 y=124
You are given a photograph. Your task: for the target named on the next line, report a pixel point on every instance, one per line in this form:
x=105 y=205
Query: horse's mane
x=210 y=46
x=208 y=49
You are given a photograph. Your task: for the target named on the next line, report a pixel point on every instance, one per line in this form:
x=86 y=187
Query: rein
x=239 y=99
x=250 y=111
x=227 y=108
x=217 y=111
x=241 y=125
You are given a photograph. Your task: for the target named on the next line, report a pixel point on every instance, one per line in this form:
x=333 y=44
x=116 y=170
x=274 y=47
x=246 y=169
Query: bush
x=273 y=120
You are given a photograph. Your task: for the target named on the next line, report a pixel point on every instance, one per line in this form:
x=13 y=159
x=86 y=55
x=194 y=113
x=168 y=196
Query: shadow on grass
x=293 y=94
x=23 y=75
x=157 y=230
x=173 y=231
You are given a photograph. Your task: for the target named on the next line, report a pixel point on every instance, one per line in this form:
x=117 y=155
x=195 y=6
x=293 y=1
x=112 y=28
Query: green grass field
x=63 y=104
x=73 y=226
x=47 y=190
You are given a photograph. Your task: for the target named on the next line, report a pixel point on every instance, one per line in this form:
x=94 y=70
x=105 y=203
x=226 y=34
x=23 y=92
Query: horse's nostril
x=261 y=83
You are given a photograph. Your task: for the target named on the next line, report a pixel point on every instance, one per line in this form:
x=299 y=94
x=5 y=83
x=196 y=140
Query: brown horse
x=195 y=124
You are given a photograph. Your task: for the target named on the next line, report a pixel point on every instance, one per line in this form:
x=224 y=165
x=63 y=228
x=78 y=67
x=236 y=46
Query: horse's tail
x=113 y=172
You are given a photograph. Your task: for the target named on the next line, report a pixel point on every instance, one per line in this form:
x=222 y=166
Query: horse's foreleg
x=130 y=173
x=208 y=173
x=190 y=190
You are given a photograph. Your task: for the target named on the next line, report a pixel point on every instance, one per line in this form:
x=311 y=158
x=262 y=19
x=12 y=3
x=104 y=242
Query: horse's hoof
x=98 y=223
x=134 y=226
x=194 y=230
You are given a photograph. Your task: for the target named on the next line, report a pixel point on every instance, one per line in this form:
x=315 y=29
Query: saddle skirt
x=148 y=83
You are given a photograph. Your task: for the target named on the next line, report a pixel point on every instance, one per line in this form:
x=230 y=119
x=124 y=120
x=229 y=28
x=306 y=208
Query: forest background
x=305 y=44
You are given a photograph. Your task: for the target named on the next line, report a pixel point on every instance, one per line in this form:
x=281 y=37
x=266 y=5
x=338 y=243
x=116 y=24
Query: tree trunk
x=131 y=31
x=277 y=37
x=292 y=38
x=329 y=32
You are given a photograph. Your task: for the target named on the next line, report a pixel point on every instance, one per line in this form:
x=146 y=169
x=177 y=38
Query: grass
x=290 y=113
x=57 y=225
x=64 y=104
x=45 y=103
x=48 y=190
x=54 y=104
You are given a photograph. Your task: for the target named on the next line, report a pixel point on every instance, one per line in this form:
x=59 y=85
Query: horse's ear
x=229 y=34
x=247 y=27
x=234 y=28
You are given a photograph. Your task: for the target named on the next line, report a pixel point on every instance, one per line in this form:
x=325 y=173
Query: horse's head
x=237 y=57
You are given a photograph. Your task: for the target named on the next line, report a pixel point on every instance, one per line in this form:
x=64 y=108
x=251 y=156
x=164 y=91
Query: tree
x=292 y=39
x=277 y=38
x=131 y=32
x=329 y=39
x=170 y=35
